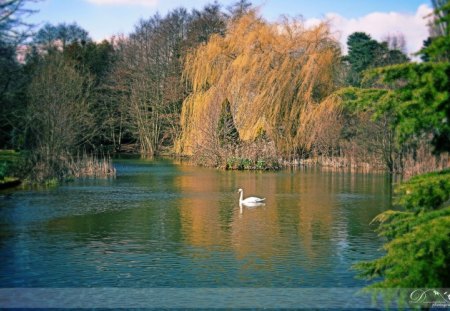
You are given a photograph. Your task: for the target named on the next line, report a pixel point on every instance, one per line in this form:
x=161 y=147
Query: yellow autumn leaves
x=276 y=77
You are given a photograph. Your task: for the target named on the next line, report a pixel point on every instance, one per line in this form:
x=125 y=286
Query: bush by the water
x=10 y=162
x=236 y=163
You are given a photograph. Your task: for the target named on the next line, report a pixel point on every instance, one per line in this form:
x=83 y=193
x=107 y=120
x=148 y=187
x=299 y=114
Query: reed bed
x=90 y=166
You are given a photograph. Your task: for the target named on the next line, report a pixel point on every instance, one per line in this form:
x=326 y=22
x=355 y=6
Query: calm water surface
x=159 y=224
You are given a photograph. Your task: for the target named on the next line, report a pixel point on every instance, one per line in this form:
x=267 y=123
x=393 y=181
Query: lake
x=161 y=224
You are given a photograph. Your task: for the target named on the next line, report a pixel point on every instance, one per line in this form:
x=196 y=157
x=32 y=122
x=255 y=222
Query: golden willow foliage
x=277 y=79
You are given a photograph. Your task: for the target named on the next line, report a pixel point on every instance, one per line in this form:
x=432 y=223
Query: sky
x=379 y=18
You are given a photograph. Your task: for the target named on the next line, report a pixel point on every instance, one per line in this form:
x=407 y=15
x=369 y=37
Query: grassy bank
x=9 y=160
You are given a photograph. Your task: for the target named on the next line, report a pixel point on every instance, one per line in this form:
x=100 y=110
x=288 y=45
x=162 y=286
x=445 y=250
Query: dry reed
x=89 y=166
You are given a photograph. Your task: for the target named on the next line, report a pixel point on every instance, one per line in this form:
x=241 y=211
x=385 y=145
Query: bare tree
x=396 y=42
x=59 y=120
x=149 y=72
x=441 y=28
x=204 y=23
x=239 y=8
x=12 y=26
x=147 y=77
x=59 y=36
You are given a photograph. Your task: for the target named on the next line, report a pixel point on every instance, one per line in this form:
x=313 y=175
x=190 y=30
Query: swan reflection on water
x=250 y=206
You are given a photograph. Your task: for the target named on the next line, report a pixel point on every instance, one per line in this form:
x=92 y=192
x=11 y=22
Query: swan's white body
x=250 y=200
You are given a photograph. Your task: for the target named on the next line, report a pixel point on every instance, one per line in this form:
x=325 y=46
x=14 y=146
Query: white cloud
x=125 y=2
x=379 y=25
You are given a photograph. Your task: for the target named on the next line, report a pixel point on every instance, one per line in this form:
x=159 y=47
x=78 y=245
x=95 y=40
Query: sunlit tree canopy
x=276 y=77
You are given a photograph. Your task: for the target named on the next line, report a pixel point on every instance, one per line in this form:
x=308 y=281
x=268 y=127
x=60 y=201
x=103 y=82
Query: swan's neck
x=241 y=197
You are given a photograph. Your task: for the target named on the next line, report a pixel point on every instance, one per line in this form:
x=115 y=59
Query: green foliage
x=368 y=123
x=393 y=224
x=418 y=256
x=418 y=248
x=422 y=100
x=365 y=53
x=236 y=163
x=98 y=58
x=356 y=100
x=3 y=170
x=425 y=192
x=260 y=165
x=10 y=164
x=436 y=49
x=52 y=182
x=362 y=51
x=11 y=87
x=418 y=251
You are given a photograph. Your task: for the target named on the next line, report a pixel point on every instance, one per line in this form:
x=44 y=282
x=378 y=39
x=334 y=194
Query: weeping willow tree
x=277 y=78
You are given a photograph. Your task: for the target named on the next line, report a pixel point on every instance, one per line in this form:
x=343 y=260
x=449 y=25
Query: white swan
x=250 y=200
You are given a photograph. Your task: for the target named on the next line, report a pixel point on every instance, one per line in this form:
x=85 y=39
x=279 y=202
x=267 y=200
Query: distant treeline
x=221 y=85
